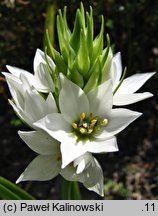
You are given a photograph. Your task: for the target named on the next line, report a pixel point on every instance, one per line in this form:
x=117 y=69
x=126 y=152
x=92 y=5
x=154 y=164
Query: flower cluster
x=69 y=104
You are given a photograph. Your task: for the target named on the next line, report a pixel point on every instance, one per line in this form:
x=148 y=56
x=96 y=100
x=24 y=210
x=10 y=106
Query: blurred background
x=131 y=173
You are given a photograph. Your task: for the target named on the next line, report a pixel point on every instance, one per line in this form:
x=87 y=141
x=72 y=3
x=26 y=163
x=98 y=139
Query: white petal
x=51 y=104
x=91 y=177
x=35 y=105
x=126 y=99
x=94 y=178
x=40 y=58
x=119 y=119
x=82 y=162
x=43 y=79
x=55 y=126
x=40 y=142
x=100 y=99
x=133 y=83
x=72 y=100
x=100 y=146
x=18 y=71
x=116 y=69
x=70 y=150
x=42 y=168
x=27 y=81
x=16 y=89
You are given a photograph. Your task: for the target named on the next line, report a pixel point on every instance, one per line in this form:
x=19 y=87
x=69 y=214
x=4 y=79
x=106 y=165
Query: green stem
x=70 y=190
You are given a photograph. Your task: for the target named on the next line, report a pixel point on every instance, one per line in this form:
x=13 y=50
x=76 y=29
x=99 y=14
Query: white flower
x=41 y=80
x=87 y=123
x=47 y=164
x=28 y=103
x=126 y=92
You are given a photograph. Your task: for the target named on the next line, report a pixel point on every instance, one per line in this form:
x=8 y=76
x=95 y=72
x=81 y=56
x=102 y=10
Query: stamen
x=74 y=125
x=82 y=115
x=93 y=122
x=83 y=130
x=104 y=122
x=90 y=130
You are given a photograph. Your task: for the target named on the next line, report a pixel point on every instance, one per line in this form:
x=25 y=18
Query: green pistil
x=87 y=125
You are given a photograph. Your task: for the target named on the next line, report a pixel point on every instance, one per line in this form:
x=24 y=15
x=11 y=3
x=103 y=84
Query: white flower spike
x=87 y=123
x=125 y=94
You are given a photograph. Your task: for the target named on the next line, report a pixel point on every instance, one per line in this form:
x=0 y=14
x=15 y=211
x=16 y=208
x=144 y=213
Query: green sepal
x=9 y=190
x=107 y=64
x=90 y=32
x=93 y=79
x=73 y=74
x=75 y=37
x=58 y=59
x=82 y=59
x=98 y=42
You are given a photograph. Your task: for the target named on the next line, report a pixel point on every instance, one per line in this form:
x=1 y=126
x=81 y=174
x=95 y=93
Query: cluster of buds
x=82 y=58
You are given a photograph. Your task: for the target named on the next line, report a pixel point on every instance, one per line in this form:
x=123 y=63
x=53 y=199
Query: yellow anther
x=82 y=115
x=85 y=124
x=90 y=130
x=104 y=122
x=74 y=125
x=93 y=122
x=83 y=130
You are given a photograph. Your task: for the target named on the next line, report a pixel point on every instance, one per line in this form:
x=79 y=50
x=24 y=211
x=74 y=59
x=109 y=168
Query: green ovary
x=87 y=125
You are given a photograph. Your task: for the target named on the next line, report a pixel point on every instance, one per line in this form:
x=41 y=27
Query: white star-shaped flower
x=87 y=123
x=126 y=92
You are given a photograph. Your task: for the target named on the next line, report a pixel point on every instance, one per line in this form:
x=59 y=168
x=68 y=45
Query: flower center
x=87 y=125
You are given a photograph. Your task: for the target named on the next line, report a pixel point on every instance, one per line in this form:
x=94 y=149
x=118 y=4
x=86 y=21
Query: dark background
x=131 y=173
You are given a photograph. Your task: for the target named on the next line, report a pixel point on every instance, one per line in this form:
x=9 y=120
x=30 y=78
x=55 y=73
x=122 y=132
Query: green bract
x=82 y=58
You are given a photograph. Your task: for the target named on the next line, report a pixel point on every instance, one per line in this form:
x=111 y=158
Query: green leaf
x=7 y=194
x=9 y=190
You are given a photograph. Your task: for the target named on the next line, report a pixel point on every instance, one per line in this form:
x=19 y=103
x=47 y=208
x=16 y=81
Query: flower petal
x=70 y=150
x=55 y=125
x=43 y=79
x=40 y=142
x=51 y=104
x=100 y=99
x=119 y=119
x=72 y=100
x=116 y=69
x=126 y=99
x=100 y=146
x=40 y=58
x=33 y=102
x=133 y=83
x=42 y=168
x=91 y=177
x=94 y=178
x=18 y=71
